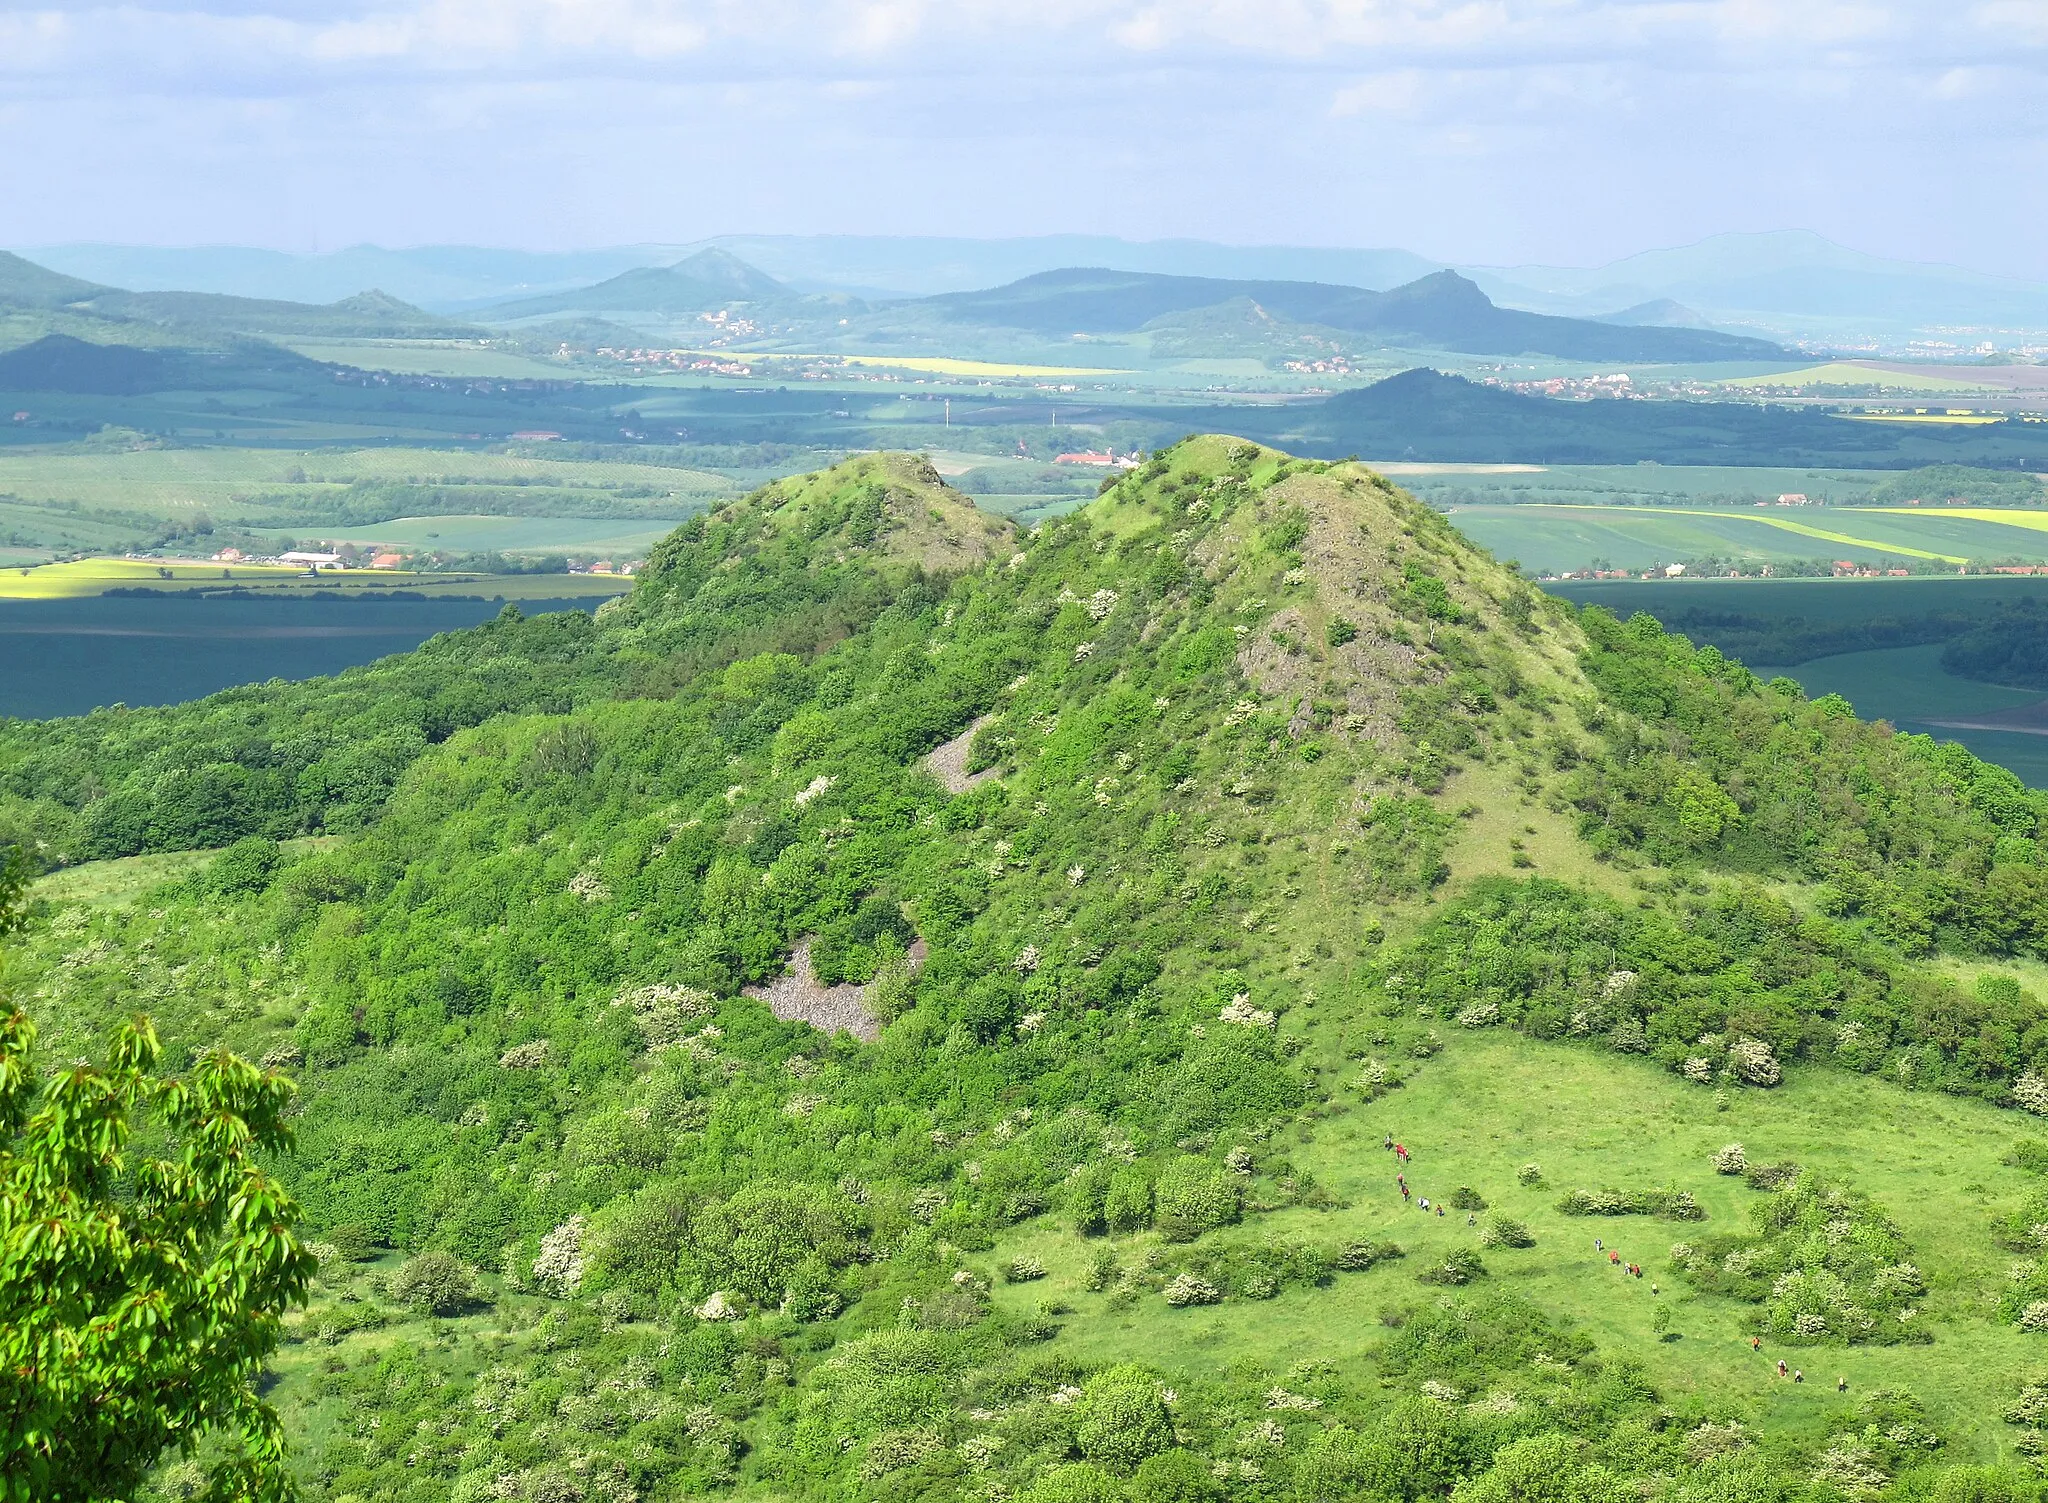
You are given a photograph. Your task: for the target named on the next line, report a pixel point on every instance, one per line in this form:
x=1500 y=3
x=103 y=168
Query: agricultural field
x=1549 y=539
x=625 y=538
x=1846 y=373
x=82 y=578
x=429 y=357
x=223 y=480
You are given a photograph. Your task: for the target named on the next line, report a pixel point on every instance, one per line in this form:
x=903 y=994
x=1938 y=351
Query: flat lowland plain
x=98 y=576
x=1852 y=373
x=431 y=357
x=1492 y=1102
x=225 y=481
x=623 y=537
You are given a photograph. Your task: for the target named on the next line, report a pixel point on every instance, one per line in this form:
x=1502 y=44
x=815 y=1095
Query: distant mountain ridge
x=1442 y=310
x=1793 y=280
x=210 y=317
x=1427 y=415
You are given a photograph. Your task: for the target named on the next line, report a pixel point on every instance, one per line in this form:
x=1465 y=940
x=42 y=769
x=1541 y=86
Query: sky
x=1566 y=132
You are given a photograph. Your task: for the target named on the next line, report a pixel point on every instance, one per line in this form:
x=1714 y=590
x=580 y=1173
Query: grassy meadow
x=1490 y=1103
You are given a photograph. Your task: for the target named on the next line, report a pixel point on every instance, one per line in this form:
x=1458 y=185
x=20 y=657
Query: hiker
x=1401 y=1152
x=1781 y=1367
x=1798 y=1376
x=1653 y=1289
x=1389 y=1144
x=1598 y=1245
x=1614 y=1257
x=1841 y=1385
x=1425 y=1202
x=1404 y=1192
x=1471 y=1219
x=1439 y=1208
x=1756 y=1343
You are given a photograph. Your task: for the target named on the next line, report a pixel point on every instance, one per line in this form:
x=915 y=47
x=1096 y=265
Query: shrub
x=1103 y=1269
x=1461 y=1267
x=1022 y=1270
x=1770 y=1176
x=1505 y=1231
x=1671 y=1205
x=1751 y=1062
x=1127 y=1207
x=1355 y=1257
x=1121 y=1418
x=1465 y=1198
x=1529 y=1174
x=1191 y=1289
x=1731 y=1160
x=1192 y=1196
x=435 y=1284
x=1340 y=631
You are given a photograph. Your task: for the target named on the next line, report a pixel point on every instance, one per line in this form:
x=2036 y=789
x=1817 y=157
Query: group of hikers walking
x=1400 y=1153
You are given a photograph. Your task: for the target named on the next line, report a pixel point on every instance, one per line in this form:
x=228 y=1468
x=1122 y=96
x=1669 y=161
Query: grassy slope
x=1491 y=1103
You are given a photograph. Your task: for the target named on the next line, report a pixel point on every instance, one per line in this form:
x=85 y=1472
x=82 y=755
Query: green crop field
x=628 y=537
x=221 y=479
x=429 y=357
x=1832 y=600
x=1549 y=538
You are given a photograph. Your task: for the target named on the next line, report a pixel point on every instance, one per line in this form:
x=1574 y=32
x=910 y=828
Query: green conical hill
x=900 y=1008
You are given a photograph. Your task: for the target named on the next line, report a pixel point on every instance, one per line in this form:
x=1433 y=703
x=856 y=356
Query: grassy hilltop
x=1149 y=869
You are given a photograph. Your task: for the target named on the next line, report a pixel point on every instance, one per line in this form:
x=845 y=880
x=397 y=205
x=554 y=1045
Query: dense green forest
x=1127 y=857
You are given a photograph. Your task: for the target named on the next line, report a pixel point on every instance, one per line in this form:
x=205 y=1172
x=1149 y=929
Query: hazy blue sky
x=1569 y=131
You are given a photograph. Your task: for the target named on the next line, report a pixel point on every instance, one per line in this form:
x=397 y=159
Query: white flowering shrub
x=1849 y=1468
x=1480 y=1015
x=1239 y=1010
x=590 y=887
x=1698 y=1069
x=1731 y=1160
x=1751 y=1062
x=2033 y=1316
x=527 y=1056
x=559 y=1268
x=2030 y=1092
x=662 y=1013
x=1101 y=603
x=1191 y=1289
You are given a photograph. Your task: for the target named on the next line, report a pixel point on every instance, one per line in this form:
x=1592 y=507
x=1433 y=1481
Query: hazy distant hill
x=63 y=363
x=1439 y=311
x=23 y=284
x=1660 y=313
x=367 y=315
x=704 y=283
x=1792 y=277
x=58 y=362
x=209 y=317
x=1424 y=414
